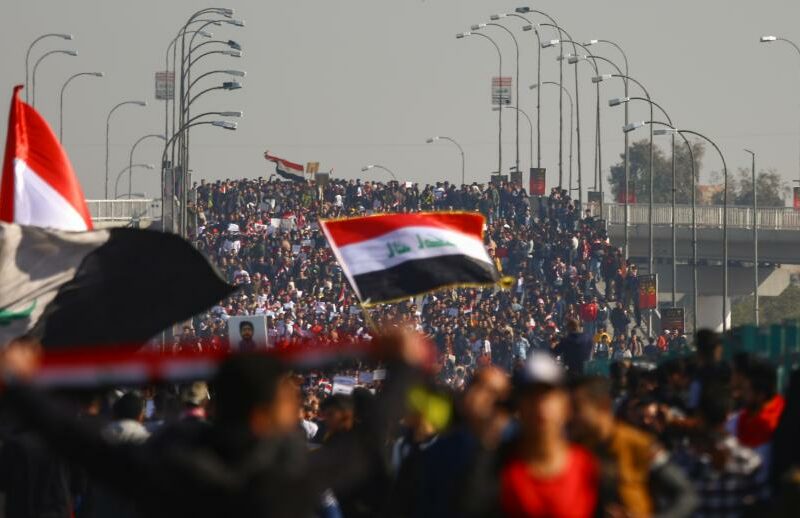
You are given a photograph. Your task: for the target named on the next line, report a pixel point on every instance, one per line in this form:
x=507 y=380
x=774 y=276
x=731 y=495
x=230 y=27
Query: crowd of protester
x=263 y=236
x=503 y=421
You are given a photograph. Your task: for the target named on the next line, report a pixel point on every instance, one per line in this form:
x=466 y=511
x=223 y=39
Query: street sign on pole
x=165 y=86
x=648 y=291
x=672 y=319
x=538 y=183
x=501 y=90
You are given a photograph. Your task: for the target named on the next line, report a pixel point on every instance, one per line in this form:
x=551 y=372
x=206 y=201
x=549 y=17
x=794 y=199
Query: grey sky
x=352 y=82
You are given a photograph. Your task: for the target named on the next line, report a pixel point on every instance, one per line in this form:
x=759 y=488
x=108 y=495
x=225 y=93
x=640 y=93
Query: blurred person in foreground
x=723 y=471
x=545 y=475
x=251 y=461
x=639 y=468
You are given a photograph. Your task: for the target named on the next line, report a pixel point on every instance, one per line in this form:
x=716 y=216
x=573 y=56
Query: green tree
x=639 y=158
x=772 y=310
x=772 y=189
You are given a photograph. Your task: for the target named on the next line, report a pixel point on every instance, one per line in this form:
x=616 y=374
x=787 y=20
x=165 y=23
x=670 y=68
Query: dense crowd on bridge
x=263 y=236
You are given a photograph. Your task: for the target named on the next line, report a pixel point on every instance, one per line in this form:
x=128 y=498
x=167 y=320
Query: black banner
x=673 y=318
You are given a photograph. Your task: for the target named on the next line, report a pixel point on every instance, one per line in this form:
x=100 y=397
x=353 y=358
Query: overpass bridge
x=778 y=246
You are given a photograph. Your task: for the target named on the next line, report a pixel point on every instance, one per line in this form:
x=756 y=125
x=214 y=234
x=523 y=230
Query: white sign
x=165 y=86
x=343 y=385
x=248 y=333
x=501 y=90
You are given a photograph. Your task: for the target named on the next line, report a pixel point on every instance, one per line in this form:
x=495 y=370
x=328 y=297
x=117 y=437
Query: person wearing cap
x=544 y=474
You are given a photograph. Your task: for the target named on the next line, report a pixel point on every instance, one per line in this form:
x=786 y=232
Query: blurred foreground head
x=256 y=392
x=541 y=397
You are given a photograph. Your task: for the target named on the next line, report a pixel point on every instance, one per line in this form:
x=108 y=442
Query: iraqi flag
x=107 y=287
x=38 y=186
x=285 y=169
x=395 y=256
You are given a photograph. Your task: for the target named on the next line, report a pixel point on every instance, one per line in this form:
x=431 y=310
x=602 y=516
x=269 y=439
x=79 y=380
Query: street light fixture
x=30 y=48
x=377 y=166
x=500 y=113
x=618 y=100
x=129 y=169
x=108 y=128
x=61 y=100
x=461 y=150
x=130 y=161
x=36 y=66
x=770 y=39
x=670 y=131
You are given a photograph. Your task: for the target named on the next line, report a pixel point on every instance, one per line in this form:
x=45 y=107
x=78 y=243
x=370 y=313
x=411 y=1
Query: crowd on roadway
x=263 y=236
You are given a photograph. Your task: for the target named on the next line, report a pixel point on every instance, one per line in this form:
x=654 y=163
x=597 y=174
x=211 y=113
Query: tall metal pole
x=499 y=112
x=61 y=101
x=724 y=228
x=108 y=130
x=30 y=48
x=516 y=47
x=130 y=159
x=36 y=67
x=755 y=235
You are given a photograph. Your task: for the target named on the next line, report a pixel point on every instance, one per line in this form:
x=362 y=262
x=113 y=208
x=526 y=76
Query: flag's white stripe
x=403 y=245
x=36 y=203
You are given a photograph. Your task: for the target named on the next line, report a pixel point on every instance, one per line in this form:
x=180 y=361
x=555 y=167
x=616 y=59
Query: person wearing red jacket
x=588 y=313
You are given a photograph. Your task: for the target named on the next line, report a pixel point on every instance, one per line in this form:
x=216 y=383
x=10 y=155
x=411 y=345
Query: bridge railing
x=774 y=218
x=123 y=210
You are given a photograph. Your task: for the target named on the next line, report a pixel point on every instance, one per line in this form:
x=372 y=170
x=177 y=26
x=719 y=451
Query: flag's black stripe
x=421 y=275
x=289 y=176
x=129 y=289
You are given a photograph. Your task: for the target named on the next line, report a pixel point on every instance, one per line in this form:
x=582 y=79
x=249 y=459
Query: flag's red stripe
x=286 y=163
x=31 y=139
x=353 y=230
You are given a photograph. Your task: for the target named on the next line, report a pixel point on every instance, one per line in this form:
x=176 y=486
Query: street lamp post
x=755 y=235
x=530 y=124
x=30 y=48
x=516 y=47
x=61 y=101
x=598 y=162
x=36 y=66
x=167 y=195
x=377 y=166
x=571 y=127
x=560 y=42
x=554 y=23
x=724 y=221
x=130 y=159
x=108 y=129
x=616 y=102
x=460 y=149
x=626 y=152
x=770 y=39
x=499 y=113
x=532 y=27
x=128 y=168
x=626 y=100
x=603 y=77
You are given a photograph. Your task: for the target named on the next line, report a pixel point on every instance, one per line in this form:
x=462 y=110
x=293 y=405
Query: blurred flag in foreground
x=394 y=256
x=108 y=287
x=38 y=186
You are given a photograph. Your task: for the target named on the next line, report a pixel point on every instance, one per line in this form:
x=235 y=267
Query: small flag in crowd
x=38 y=186
x=118 y=286
x=285 y=169
x=393 y=256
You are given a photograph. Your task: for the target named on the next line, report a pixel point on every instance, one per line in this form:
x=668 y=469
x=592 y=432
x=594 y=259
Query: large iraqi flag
x=39 y=186
x=393 y=256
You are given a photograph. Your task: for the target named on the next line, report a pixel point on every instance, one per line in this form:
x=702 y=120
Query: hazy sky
x=352 y=82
